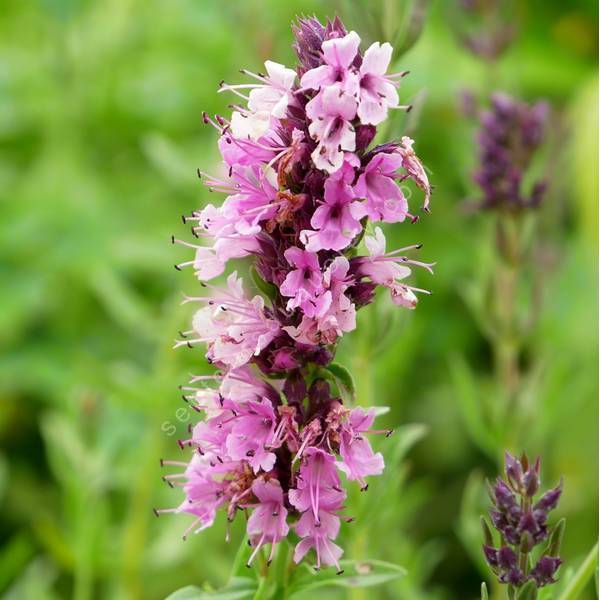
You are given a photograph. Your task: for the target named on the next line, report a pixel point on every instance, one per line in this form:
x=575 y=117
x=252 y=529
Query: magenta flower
x=301 y=184
x=335 y=219
x=384 y=199
x=305 y=283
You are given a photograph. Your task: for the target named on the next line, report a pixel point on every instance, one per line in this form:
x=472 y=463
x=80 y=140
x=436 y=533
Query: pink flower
x=331 y=112
x=376 y=91
x=358 y=458
x=233 y=238
x=335 y=220
x=204 y=494
x=319 y=535
x=274 y=95
x=384 y=198
x=318 y=496
x=305 y=283
x=234 y=328
x=268 y=100
x=318 y=485
x=388 y=269
x=338 y=56
x=267 y=523
x=340 y=314
x=252 y=433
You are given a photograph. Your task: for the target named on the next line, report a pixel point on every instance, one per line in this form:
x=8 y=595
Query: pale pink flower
x=340 y=315
x=234 y=328
x=388 y=269
x=331 y=112
x=376 y=92
x=319 y=535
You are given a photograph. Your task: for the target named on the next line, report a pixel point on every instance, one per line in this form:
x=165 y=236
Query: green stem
x=583 y=575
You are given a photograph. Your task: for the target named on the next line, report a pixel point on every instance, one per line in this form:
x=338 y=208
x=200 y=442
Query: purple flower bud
x=507 y=558
x=491 y=556
x=550 y=499
x=505 y=498
x=514 y=472
x=545 y=570
x=294 y=387
x=531 y=482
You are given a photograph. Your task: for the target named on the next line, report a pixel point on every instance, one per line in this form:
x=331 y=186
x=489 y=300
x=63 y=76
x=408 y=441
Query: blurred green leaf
x=582 y=576
x=357 y=574
x=238 y=589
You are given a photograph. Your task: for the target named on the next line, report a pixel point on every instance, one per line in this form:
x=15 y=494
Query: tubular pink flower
x=338 y=56
x=376 y=92
x=384 y=199
x=267 y=523
x=335 y=219
x=331 y=113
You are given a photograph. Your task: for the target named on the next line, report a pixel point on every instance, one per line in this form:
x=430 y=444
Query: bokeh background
x=100 y=136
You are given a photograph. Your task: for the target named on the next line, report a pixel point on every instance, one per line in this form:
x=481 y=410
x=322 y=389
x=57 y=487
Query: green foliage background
x=100 y=136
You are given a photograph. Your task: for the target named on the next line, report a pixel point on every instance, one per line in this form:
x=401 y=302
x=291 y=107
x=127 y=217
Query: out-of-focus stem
x=507 y=342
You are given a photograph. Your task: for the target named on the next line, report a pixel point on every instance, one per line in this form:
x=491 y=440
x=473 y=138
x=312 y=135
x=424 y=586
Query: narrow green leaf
x=582 y=576
x=488 y=540
x=356 y=574
x=343 y=380
x=528 y=591
x=484 y=592
x=268 y=289
x=239 y=568
x=556 y=538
